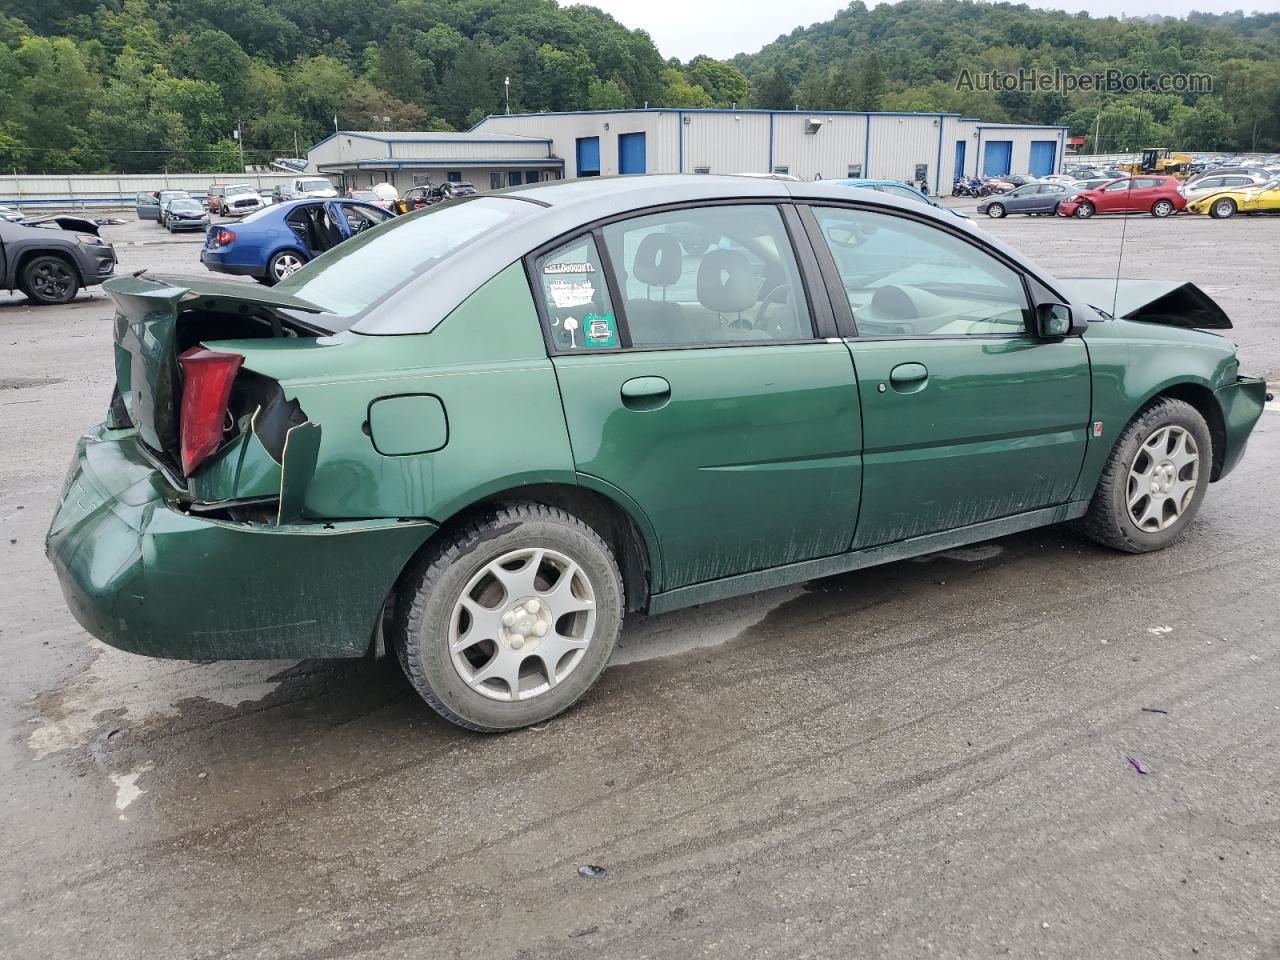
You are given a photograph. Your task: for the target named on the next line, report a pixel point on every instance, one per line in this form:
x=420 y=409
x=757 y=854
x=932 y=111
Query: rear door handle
x=645 y=393
x=909 y=377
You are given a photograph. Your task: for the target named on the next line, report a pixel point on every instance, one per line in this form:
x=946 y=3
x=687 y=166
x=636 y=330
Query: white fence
x=107 y=191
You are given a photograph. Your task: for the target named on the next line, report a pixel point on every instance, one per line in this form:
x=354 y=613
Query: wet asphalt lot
x=926 y=759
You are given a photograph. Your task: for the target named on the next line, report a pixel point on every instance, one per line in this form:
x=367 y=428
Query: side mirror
x=1053 y=320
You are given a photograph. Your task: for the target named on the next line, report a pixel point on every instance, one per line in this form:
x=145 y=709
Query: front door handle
x=909 y=377
x=645 y=393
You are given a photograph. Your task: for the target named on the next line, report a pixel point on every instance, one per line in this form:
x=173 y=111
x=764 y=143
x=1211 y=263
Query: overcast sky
x=721 y=28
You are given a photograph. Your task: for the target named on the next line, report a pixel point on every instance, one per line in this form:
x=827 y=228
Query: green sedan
x=480 y=435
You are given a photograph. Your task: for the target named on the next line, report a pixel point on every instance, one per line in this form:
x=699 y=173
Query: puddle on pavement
x=129 y=690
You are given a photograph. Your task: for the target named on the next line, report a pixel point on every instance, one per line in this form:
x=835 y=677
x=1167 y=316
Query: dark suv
x=52 y=258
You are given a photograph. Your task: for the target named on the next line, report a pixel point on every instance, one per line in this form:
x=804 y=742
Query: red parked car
x=1157 y=196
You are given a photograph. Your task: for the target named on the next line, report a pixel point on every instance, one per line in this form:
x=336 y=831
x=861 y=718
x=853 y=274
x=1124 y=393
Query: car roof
x=567 y=206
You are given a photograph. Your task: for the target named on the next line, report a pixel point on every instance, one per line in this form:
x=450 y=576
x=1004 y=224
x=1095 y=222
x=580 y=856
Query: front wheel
x=1085 y=210
x=282 y=265
x=996 y=211
x=510 y=620
x=1154 y=480
x=1223 y=209
x=1161 y=208
x=49 y=280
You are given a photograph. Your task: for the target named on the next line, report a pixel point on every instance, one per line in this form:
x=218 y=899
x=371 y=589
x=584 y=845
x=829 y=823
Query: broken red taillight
x=206 y=387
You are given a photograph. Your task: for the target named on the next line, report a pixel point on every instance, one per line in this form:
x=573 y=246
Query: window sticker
x=598 y=330
x=553 y=269
x=570 y=325
x=571 y=293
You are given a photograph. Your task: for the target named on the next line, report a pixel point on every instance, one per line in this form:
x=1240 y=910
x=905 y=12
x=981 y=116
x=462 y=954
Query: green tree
x=775 y=92
x=605 y=95
x=723 y=82
x=468 y=89
x=677 y=91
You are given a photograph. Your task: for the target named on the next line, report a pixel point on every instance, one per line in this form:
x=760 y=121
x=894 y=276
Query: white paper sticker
x=571 y=293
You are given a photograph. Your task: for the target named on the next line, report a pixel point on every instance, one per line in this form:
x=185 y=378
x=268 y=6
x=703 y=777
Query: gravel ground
x=926 y=759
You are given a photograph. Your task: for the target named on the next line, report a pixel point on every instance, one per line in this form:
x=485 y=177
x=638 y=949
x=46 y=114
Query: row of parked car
x=1219 y=195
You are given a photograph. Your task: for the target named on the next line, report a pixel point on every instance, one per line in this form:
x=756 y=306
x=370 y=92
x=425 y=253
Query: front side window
x=708 y=275
x=575 y=295
x=360 y=219
x=904 y=278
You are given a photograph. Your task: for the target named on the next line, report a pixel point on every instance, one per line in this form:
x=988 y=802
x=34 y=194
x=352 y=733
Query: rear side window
x=573 y=288
x=708 y=275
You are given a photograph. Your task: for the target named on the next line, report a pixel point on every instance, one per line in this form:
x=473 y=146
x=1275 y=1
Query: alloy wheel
x=522 y=624
x=1162 y=478
x=285 y=264
x=51 y=280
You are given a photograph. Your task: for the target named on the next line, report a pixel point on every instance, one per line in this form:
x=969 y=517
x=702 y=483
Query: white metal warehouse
x=522 y=148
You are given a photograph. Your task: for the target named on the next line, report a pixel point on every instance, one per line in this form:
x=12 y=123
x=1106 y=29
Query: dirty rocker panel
x=829 y=566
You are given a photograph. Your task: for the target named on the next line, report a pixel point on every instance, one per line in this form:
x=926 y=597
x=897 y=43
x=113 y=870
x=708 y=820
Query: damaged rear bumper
x=142 y=575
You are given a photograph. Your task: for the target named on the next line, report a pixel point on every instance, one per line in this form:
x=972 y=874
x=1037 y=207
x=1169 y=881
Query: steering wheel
x=781 y=294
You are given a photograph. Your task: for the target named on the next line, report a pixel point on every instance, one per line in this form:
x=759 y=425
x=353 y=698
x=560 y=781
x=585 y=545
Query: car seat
x=659 y=262
x=728 y=287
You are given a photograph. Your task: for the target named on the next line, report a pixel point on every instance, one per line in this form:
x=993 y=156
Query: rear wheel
x=996 y=211
x=1154 y=480
x=509 y=621
x=1085 y=210
x=282 y=265
x=1223 y=209
x=1161 y=208
x=49 y=280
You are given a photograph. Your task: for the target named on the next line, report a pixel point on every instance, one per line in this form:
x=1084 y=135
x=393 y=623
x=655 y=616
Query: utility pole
x=506 y=83
x=240 y=140
x=295 y=143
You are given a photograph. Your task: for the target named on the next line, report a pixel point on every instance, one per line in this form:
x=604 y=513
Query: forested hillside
x=909 y=56
x=141 y=85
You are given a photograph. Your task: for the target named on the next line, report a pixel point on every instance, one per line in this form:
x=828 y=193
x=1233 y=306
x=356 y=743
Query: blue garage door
x=588 y=156
x=960 y=148
x=998 y=158
x=1043 y=155
x=631 y=153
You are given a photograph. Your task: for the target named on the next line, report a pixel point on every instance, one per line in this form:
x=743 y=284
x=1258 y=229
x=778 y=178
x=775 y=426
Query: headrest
x=725 y=282
x=659 y=260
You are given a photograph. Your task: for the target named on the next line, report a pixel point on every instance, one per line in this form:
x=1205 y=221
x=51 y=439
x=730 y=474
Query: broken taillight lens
x=206 y=387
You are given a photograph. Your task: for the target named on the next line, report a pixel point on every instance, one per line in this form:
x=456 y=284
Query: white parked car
x=1060 y=178
x=301 y=187
x=1217 y=182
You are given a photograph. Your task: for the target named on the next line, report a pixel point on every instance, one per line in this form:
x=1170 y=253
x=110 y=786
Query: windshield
x=351 y=278
x=185 y=205
x=318 y=184
x=172 y=194
x=232 y=191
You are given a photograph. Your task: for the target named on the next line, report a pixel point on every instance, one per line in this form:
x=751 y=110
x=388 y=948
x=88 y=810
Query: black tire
x=275 y=266
x=1085 y=210
x=1108 y=520
x=1162 y=208
x=1223 y=209
x=996 y=211
x=435 y=582
x=49 y=280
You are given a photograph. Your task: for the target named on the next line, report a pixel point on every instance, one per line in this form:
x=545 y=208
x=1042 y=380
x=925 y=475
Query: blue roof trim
x=1021 y=126
x=729 y=110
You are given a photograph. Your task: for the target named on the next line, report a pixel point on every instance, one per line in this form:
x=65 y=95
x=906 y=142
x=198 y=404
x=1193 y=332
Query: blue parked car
x=895 y=188
x=277 y=240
